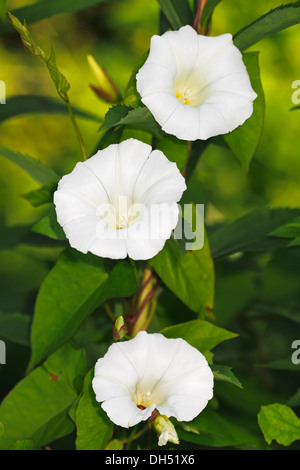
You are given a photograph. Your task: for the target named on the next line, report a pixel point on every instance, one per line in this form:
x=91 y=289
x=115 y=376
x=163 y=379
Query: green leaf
x=74 y=288
x=49 y=226
x=177 y=12
x=244 y=140
x=279 y=422
x=25 y=444
x=250 y=232
x=61 y=83
x=273 y=309
x=225 y=374
x=115 y=444
x=211 y=429
x=131 y=96
x=290 y=230
x=281 y=364
x=10 y=237
x=197 y=149
x=295 y=242
x=26 y=37
x=15 y=327
x=36 y=409
x=208 y=11
x=36 y=169
x=94 y=428
x=175 y=150
x=138 y=117
x=3 y=8
x=294 y=401
x=190 y=277
x=272 y=22
x=20 y=105
x=114 y=115
x=200 y=334
x=41 y=196
x=41 y=10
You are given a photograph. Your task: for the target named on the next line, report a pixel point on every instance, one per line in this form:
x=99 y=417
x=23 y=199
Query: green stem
x=134 y=436
x=77 y=130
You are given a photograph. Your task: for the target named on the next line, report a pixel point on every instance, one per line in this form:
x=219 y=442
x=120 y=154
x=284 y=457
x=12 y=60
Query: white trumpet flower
x=195 y=86
x=122 y=201
x=152 y=372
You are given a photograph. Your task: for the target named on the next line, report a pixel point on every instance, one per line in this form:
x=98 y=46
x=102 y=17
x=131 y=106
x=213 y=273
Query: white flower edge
x=152 y=372
x=195 y=86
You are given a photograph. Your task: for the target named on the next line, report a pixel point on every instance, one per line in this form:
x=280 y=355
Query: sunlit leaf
x=279 y=422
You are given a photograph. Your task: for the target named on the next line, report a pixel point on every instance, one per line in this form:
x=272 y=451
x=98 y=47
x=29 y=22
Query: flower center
x=122 y=213
x=190 y=89
x=144 y=401
x=184 y=95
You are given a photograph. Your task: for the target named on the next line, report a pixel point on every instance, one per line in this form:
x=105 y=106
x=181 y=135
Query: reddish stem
x=132 y=320
x=138 y=295
x=198 y=13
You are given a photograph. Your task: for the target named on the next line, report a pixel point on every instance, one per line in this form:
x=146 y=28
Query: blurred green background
x=117 y=35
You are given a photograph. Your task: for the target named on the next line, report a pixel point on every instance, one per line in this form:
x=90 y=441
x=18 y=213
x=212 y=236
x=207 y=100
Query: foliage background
x=250 y=290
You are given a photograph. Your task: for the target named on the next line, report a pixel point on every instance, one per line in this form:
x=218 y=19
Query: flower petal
x=133 y=156
x=113 y=248
x=81 y=232
x=160 y=181
x=71 y=205
x=161 y=53
x=85 y=184
x=184 y=44
x=125 y=413
x=162 y=105
x=185 y=121
x=154 y=78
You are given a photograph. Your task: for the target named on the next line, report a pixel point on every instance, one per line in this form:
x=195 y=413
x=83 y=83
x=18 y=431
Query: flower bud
x=166 y=430
x=106 y=88
x=119 y=329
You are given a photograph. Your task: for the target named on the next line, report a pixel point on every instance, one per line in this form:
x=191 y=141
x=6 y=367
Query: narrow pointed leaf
x=272 y=22
x=35 y=168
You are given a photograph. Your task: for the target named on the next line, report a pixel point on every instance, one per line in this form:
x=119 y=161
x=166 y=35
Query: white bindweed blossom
x=122 y=201
x=152 y=372
x=195 y=86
